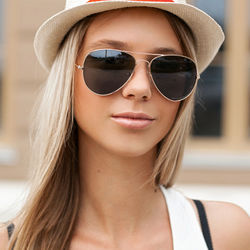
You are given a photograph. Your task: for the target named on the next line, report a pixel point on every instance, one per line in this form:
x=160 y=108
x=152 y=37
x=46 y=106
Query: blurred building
x=218 y=150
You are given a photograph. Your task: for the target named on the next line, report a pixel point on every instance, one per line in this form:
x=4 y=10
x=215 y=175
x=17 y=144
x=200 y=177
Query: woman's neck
x=117 y=197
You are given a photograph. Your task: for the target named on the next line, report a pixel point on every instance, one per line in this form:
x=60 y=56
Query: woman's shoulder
x=4 y=239
x=6 y=230
x=229 y=225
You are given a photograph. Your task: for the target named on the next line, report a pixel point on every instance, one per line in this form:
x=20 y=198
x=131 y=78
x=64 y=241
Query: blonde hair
x=172 y=146
x=48 y=218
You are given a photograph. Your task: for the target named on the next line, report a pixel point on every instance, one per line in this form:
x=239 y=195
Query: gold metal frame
x=149 y=71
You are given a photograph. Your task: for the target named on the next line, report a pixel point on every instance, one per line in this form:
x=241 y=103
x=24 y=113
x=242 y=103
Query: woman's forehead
x=131 y=13
x=133 y=27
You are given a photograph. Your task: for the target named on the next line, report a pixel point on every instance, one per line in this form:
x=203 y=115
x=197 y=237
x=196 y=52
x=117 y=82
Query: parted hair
x=49 y=215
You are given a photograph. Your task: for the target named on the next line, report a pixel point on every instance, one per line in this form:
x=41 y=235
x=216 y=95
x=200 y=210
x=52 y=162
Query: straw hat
x=208 y=34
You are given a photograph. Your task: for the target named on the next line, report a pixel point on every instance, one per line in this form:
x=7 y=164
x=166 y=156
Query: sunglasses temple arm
x=78 y=66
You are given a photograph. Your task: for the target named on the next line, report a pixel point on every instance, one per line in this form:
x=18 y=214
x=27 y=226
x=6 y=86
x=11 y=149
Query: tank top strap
x=10 y=229
x=204 y=223
x=186 y=230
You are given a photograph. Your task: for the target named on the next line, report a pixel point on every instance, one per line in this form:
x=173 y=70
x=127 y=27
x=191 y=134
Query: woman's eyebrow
x=166 y=50
x=125 y=46
x=109 y=43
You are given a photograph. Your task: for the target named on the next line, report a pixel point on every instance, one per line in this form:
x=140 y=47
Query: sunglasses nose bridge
x=138 y=61
x=142 y=60
x=134 y=86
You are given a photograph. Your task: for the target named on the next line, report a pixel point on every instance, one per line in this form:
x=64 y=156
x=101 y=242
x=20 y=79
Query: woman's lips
x=133 y=120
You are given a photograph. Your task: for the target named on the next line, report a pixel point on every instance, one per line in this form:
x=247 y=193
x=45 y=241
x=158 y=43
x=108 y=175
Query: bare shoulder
x=3 y=236
x=229 y=224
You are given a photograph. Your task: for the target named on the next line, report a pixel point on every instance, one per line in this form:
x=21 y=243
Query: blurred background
x=217 y=160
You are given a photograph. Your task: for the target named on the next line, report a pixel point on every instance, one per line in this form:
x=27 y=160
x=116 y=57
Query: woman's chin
x=132 y=151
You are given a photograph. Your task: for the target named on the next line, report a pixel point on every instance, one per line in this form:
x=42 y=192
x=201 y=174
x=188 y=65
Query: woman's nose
x=139 y=86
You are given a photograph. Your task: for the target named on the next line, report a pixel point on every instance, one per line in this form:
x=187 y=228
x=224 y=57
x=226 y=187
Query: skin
x=119 y=209
x=125 y=156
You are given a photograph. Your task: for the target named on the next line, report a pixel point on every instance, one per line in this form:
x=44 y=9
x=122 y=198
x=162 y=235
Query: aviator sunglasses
x=105 y=71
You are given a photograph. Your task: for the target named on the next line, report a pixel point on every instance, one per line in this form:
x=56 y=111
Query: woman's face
x=105 y=121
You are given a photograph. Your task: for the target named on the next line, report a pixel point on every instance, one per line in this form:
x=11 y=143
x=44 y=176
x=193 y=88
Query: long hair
x=171 y=148
x=49 y=215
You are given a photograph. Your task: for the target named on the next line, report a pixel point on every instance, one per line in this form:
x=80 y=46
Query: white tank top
x=185 y=226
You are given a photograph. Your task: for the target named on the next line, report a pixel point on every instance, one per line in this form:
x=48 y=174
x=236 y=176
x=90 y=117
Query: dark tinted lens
x=174 y=76
x=105 y=71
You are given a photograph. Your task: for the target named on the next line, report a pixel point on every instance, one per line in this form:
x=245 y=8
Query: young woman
x=110 y=130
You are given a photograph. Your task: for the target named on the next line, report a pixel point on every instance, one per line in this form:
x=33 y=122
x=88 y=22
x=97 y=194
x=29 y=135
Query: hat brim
x=208 y=34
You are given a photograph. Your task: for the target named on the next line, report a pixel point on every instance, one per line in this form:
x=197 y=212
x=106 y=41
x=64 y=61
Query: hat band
x=74 y=3
x=164 y=1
